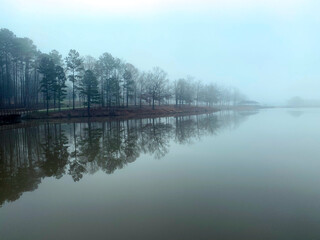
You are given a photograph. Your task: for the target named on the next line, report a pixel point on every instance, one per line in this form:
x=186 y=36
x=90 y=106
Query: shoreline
x=104 y=114
x=121 y=112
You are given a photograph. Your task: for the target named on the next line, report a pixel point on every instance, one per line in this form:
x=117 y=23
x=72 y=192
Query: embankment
x=122 y=112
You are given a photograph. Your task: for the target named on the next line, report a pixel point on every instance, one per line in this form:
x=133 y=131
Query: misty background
x=268 y=49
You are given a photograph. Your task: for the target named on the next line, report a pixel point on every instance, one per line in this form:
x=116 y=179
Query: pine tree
x=60 y=85
x=128 y=84
x=47 y=83
x=74 y=65
x=89 y=89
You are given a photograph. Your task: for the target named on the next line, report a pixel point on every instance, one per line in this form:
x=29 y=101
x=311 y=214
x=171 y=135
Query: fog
x=269 y=50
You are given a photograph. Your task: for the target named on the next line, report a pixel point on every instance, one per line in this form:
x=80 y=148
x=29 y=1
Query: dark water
x=236 y=175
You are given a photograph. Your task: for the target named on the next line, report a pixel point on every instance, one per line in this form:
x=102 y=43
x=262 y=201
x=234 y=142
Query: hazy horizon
x=268 y=50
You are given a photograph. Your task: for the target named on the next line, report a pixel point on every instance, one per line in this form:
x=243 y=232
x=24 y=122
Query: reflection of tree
x=208 y=124
x=29 y=154
x=89 y=144
x=295 y=113
x=85 y=152
x=155 y=136
x=232 y=120
x=112 y=157
x=186 y=129
x=55 y=151
x=48 y=150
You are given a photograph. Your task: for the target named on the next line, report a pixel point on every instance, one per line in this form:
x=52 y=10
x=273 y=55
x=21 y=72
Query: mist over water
x=229 y=175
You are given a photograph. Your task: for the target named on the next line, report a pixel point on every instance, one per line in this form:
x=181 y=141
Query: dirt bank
x=121 y=112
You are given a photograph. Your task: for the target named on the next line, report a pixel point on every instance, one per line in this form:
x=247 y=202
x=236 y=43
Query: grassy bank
x=130 y=112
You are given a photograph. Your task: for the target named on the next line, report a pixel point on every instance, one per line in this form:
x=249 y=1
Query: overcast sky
x=270 y=50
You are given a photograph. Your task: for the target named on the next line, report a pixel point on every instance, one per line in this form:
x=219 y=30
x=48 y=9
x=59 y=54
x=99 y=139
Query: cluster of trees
x=300 y=102
x=76 y=149
x=29 y=78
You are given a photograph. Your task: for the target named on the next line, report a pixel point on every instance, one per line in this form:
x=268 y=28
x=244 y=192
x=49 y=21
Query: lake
x=226 y=175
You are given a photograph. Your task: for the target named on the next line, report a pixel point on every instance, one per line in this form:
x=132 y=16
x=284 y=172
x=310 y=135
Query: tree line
x=32 y=79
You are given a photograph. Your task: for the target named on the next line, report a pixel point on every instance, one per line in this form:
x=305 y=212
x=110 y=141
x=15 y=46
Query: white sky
x=94 y=7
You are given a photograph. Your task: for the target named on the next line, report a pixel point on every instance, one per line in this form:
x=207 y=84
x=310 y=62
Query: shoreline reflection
x=27 y=155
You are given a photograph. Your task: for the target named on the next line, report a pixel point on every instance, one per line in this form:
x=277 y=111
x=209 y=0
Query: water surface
x=229 y=175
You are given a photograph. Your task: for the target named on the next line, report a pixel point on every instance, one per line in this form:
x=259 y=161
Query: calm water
x=236 y=175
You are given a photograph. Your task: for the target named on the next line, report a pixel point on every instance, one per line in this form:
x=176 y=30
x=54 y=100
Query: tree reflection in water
x=54 y=149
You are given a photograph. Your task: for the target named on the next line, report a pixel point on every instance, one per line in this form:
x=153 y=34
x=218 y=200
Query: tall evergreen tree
x=60 y=85
x=74 y=66
x=6 y=47
x=56 y=57
x=128 y=84
x=105 y=67
x=47 y=69
x=88 y=88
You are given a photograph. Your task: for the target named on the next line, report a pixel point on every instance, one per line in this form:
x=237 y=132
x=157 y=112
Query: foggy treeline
x=76 y=149
x=32 y=79
x=300 y=102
